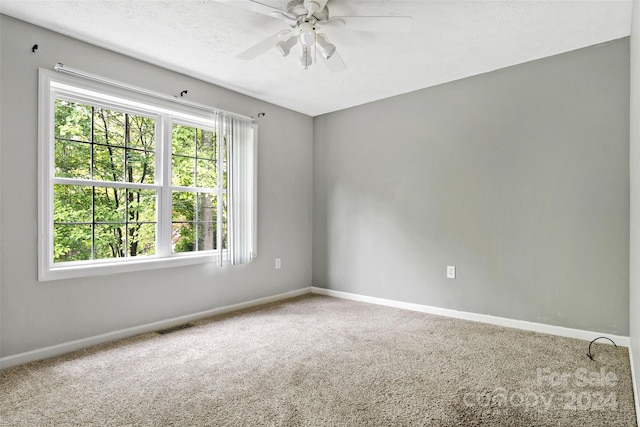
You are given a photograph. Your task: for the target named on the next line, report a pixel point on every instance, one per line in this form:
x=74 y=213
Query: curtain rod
x=61 y=68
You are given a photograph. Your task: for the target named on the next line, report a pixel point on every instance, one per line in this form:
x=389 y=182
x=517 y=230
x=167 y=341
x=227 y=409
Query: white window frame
x=54 y=85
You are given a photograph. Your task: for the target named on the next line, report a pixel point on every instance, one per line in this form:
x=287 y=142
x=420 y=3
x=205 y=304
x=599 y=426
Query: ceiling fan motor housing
x=301 y=9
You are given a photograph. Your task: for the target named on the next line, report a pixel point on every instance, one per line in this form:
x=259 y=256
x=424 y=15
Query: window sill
x=114 y=267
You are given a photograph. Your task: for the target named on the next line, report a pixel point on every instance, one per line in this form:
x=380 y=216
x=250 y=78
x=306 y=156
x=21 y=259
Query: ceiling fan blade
x=335 y=64
x=292 y=22
x=261 y=47
x=388 y=24
x=258 y=7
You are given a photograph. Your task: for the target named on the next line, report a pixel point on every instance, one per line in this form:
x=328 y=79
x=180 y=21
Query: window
x=199 y=205
x=104 y=197
x=132 y=181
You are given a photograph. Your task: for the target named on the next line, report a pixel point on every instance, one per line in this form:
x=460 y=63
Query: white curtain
x=240 y=136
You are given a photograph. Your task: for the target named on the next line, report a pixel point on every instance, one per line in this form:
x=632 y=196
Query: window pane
x=142 y=239
x=71 y=243
x=182 y=237
x=182 y=169
x=142 y=205
x=109 y=241
x=206 y=236
x=108 y=127
x=206 y=207
x=140 y=166
x=141 y=133
x=110 y=204
x=108 y=163
x=71 y=203
x=193 y=157
x=72 y=159
x=207 y=145
x=194 y=222
x=206 y=174
x=72 y=121
x=183 y=140
x=184 y=206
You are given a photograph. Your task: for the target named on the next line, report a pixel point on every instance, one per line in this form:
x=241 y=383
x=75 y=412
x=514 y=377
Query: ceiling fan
x=305 y=18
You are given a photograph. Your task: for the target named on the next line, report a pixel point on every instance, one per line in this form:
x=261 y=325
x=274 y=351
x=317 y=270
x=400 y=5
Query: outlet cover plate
x=451 y=271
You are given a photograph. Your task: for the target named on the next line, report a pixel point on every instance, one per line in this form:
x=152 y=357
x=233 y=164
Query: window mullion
x=195 y=189
x=109 y=184
x=163 y=209
x=93 y=222
x=196 y=205
x=93 y=188
x=126 y=178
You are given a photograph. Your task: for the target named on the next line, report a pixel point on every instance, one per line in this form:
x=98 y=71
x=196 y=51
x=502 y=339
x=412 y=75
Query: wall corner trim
x=67 y=347
x=476 y=317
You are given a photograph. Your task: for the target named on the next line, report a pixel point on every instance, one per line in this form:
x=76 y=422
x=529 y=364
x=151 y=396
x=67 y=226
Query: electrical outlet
x=451 y=271
x=278 y=263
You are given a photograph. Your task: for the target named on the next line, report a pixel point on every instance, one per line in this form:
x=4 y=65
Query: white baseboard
x=67 y=347
x=70 y=346
x=475 y=317
x=635 y=385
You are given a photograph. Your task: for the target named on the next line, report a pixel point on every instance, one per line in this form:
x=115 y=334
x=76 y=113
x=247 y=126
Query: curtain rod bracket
x=183 y=93
x=34 y=48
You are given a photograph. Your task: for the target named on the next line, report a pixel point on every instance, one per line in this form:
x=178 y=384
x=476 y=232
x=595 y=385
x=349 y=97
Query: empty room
x=319 y=212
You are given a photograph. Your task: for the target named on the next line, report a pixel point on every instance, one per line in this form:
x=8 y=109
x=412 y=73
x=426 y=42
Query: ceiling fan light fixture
x=307 y=34
x=284 y=46
x=307 y=38
x=326 y=48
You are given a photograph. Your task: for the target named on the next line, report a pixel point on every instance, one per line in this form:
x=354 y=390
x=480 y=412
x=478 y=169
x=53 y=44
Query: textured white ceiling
x=448 y=40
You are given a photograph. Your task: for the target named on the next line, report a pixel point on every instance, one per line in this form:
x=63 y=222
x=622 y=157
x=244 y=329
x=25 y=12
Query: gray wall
x=634 y=282
x=519 y=177
x=34 y=315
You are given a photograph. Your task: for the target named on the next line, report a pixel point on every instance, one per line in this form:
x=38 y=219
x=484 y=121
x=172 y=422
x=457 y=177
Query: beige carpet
x=328 y=362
